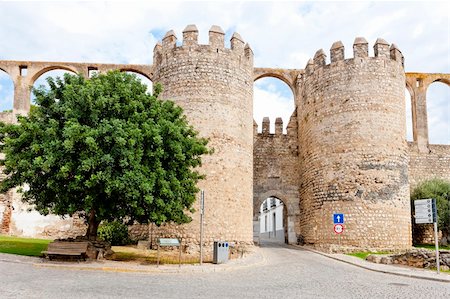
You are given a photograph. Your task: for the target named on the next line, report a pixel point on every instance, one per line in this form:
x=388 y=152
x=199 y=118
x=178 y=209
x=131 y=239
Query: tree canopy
x=439 y=189
x=105 y=147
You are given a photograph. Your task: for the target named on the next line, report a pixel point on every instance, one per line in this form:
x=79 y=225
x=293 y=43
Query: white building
x=271 y=220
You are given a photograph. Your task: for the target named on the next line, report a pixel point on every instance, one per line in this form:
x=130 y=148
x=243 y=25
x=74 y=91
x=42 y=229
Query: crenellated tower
x=214 y=86
x=353 y=154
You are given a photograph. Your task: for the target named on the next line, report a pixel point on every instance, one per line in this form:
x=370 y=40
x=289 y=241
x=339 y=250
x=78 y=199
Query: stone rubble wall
x=419 y=258
x=138 y=232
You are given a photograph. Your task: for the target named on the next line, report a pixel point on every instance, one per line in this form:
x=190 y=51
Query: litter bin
x=220 y=252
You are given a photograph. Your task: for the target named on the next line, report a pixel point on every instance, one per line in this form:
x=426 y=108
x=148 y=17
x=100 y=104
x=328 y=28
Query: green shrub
x=439 y=189
x=114 y=232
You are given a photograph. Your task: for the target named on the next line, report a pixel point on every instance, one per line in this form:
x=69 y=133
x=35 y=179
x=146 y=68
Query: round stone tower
x=214 y=86
x=353 y=152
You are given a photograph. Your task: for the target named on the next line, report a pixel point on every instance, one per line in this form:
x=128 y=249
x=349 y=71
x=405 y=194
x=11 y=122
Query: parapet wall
x=353 y=154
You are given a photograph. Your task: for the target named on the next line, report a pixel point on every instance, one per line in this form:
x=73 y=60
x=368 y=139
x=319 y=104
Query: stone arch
x=409 y=115
x=34 y=80
x=278 y=75
x=7 y=86
x=5 y=70
x=281 y=101
x=47 y=69
x=137 y=71
x=284 y=237
x=260 y=198
x=437 y=106
x=433 y=79
x=141 y=75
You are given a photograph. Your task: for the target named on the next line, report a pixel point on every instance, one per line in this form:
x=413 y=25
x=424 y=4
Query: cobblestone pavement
x=284 y=272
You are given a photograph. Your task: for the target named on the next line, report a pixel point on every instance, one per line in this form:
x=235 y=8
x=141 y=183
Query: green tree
x=105 y=147
x=439 y=189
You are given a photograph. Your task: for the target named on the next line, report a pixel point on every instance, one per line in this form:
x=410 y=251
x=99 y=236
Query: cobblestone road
x=286 y=273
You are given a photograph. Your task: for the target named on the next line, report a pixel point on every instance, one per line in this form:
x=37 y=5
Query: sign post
x=426 y=212
x=338 y=221
x=202 y=212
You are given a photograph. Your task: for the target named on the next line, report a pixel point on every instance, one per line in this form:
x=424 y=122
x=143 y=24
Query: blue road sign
x=338 y=218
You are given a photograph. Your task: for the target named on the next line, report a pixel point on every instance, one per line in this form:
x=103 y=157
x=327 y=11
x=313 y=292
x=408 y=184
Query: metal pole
x=179 y=257
x=202 y=211
x=448 y=227
x=437 y=246
x=436 y=238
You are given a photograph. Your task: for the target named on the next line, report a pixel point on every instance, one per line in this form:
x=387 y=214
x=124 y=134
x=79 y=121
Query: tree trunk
x=93 y=223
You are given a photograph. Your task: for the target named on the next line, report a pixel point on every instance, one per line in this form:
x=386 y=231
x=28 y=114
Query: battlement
x=190 y=42
x=265 y=130
x=382 y=50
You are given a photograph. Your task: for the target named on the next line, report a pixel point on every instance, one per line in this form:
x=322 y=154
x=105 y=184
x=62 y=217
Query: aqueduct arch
x=417 y=84
x=25 y=73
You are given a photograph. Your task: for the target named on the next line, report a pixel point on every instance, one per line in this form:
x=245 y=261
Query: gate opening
x=272 y=220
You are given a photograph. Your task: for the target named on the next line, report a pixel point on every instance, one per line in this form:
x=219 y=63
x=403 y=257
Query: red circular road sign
x=338 y=228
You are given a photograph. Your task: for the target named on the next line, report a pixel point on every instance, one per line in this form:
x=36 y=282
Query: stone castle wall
x=435 y=163
x=275 y=172
x=344 y=151
x=427 y=165
x=353 y=154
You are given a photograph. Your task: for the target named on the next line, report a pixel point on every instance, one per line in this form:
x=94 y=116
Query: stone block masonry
x=352 y=151
x=344 y=150
x=214 y=86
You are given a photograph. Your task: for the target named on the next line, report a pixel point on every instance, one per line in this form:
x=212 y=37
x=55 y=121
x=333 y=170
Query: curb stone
x=368 y=266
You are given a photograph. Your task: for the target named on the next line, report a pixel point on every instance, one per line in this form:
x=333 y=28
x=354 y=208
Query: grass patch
x=23 y=246
x=361 y=255
x=132 y=254
x=364 y=254
x=433 y=247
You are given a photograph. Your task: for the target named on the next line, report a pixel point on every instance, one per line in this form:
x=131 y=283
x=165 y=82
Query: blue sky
x=281 y=34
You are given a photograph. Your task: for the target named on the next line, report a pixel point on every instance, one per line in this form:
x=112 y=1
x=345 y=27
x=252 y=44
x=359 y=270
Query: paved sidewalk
x=382 y=268
x=251 y=259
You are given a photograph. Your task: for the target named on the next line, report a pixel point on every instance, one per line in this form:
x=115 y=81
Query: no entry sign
x=338 y=228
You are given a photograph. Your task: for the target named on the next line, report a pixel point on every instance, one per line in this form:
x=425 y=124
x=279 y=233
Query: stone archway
x=272 y=217
x=290 y=213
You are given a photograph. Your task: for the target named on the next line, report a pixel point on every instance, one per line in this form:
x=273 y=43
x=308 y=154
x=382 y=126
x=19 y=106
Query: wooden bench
x=66 y=249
